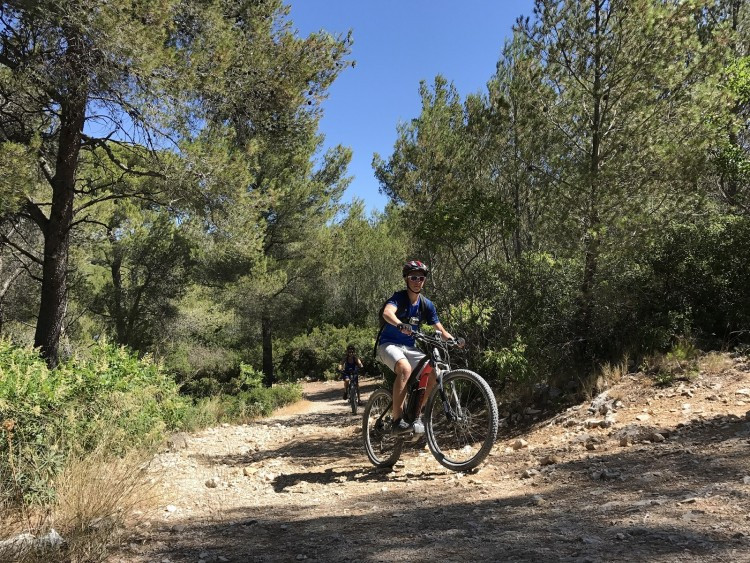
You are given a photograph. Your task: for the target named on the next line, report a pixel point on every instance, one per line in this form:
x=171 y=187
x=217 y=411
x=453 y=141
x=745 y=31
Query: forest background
x=166 y=212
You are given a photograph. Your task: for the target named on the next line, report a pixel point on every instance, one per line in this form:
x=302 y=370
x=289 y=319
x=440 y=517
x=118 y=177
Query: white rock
x=518 y=444
x=537 y=500
x=25 y=541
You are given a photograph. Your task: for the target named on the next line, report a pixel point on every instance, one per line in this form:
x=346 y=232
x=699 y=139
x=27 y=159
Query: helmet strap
x=410 y=290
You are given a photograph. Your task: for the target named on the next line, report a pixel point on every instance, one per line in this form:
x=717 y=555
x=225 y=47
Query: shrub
x=110 y=397
x=507 y=365
x=242 y=407
x=679 y=363
x=318 y=353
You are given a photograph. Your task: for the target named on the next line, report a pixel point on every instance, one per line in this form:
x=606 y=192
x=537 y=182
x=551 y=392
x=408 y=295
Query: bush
x=111 y=397
x=507 y=365
x=242 y=407
x=678 y=364
x=319 y=353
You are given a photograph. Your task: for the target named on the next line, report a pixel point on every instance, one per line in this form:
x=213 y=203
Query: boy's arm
x=444 y=333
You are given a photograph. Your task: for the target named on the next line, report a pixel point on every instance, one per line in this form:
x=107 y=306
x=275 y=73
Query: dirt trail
x=664 y=475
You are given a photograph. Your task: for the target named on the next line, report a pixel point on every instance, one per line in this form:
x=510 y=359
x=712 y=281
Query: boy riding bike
x=350 y=366
x=396 y=348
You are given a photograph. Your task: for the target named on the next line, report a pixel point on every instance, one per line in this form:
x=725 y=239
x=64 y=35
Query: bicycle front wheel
x=383 y=450
x=353 y=392
x=461 y=428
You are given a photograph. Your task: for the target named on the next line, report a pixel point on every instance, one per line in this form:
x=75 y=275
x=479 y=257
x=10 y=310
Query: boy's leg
x=403 y=371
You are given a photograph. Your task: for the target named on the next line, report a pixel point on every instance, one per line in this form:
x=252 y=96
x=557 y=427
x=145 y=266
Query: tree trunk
x=116 y=309
x=4 y=290
x=56 y=229
x=591 y=235
x=268 y=377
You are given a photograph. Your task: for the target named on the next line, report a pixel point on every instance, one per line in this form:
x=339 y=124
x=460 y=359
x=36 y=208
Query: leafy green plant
x=678 y=364
x=242 y=407
x=318 y=353
x=111 y=397
x=508 y=364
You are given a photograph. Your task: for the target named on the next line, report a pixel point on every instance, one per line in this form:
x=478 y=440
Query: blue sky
x=397 y=43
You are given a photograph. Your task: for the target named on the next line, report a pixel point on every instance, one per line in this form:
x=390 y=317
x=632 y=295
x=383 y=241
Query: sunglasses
x=416 y=278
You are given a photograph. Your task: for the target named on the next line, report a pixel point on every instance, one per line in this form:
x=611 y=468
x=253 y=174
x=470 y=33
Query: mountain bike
x=353 y=393
x=460 y=416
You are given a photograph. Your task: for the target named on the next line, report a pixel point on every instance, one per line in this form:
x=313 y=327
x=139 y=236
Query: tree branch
x=117 y=162
x=5 y=240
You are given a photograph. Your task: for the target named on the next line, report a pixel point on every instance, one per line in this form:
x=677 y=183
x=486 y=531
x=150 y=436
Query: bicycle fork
x=452 y=414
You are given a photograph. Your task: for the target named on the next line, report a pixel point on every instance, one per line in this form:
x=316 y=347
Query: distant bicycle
x=460 y=416
x=353 y=392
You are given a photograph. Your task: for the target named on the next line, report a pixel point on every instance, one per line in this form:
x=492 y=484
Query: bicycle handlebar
x=454 y=342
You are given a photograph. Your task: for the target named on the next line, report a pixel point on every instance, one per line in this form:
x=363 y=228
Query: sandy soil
x=645 y=474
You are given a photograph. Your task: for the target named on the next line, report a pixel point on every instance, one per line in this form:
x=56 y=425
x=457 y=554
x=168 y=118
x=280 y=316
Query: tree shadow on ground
x=643 y=502
x=404 y=523
x=334 y=392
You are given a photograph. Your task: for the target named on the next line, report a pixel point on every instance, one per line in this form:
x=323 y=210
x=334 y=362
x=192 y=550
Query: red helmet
x=414 y=266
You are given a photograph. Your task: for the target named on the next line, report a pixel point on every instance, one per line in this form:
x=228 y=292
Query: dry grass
x=612 y=374
x=714 y=363
x=96 y=495
x=608 y=376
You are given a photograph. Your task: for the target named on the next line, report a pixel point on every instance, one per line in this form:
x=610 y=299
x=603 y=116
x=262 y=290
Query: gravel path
x=641 y=474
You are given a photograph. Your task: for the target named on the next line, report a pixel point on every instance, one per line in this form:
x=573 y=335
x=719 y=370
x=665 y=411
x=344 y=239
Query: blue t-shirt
x=392 y=335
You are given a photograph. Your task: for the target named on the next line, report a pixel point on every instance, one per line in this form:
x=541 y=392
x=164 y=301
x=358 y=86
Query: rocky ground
x=641 y=474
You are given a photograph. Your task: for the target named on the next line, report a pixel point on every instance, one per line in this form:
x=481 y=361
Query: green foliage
x=470 y=314
x=110 y=397
x=319 y=353
x=738 y=80
x=250 y=378
x=697 y=283
x=507 y=365
x=244 y=406
x=678 y=364
x=17 y=175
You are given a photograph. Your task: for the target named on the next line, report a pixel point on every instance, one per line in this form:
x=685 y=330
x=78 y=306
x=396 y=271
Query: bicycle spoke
x=382 y=449
x=462 y=440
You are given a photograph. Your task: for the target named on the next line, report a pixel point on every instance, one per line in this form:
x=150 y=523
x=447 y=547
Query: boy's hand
x=405 y=328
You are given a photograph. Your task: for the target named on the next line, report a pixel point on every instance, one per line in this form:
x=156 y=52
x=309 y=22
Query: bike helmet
x=415 y=266
x=350 y=348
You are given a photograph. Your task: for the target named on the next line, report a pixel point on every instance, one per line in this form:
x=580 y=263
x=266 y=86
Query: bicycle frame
x=440 y=366
x=354 y=381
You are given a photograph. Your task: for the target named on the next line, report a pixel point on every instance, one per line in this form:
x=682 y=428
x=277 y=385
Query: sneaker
x=401 y=427
x=418 y=426
x=361 y=403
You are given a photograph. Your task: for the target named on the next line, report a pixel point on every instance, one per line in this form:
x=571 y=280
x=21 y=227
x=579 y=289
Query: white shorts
x=389 y=354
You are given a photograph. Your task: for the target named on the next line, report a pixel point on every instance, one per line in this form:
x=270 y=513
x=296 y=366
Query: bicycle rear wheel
x=462 y=430
x=383 y=450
